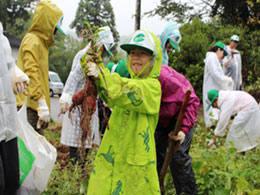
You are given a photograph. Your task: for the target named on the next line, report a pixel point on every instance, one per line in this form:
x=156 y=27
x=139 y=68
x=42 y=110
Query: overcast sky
x=123 y=10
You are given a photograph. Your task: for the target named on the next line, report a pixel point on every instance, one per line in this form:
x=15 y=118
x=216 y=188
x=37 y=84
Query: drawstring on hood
x=149 y=42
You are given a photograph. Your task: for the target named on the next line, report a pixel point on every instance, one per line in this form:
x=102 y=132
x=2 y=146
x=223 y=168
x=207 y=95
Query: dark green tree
x=62 y=53
x=242 y=12
x=198 y=37
x=180 y=12
x=15 y=14
x=96 y=13
x=194 y=45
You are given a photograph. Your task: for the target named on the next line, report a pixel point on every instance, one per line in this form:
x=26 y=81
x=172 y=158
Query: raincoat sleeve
x=215 y=71
x=191 y=113
x=225 y=114
x=31 y=63
x=140 y=95
x=174 y=89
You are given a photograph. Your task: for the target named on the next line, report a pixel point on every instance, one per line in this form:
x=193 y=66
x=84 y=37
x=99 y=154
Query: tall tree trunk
x=138 y=15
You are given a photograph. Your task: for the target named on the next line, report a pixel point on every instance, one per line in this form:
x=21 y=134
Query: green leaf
x=84 y=186
x=204 y=169
x=88 y=24
x=242 y=183
x=221 y=191
x=254 y=192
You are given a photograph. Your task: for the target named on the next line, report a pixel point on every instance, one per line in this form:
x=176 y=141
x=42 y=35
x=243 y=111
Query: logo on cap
x=139 y=38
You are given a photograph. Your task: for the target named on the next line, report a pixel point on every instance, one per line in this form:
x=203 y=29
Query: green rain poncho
x=126 y=160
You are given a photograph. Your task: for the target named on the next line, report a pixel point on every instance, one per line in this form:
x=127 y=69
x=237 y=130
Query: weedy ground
x=218 y=170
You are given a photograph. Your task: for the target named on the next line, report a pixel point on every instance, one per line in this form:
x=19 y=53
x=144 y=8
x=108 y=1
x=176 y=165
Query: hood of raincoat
x=105 y=37
x=171 y=31
x=45 y=19
x=156 y=58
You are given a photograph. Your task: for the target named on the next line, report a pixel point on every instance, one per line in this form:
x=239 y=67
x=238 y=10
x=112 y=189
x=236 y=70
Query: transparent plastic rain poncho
x=234 y=68
x=214 y=78
x=71 y=131
x=244 y=131
x=8 y=110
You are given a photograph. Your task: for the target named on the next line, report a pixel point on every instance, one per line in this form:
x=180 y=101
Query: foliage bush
x=198 y=37
x=218 y=170
x=61 y=55
x=254 y=89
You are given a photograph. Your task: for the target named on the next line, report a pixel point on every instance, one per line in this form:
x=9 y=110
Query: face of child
x=215 y=103
x=168 y=47
x=233 y=44
x=138 y=59
x=220 y=53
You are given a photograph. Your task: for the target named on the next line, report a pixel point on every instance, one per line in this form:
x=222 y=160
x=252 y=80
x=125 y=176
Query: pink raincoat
x=174 y=86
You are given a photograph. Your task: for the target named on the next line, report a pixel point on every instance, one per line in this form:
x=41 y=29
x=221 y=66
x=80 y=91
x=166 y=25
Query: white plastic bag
x=45 y=156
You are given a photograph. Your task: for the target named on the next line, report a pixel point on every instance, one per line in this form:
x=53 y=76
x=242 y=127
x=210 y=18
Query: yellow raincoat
x=126 y=160
x=34 y=50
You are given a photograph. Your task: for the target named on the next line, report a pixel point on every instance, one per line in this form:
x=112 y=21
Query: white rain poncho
x=244 y=131
x=214 y=78
x=234 y=68
x=71 y=131
x=8 y=110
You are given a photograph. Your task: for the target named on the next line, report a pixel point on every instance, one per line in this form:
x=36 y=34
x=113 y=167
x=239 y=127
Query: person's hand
x=180 y=137
x=64 y=107
x=19 y=87
x=212 y=142
x=19 y=80
x=93 y=69
x=64 y=101
x=43 y=114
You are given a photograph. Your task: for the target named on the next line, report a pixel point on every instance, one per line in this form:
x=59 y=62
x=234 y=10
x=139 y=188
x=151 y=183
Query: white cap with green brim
x=105 y=37
x=139 y=40
x=58 y=26
x=234 y=38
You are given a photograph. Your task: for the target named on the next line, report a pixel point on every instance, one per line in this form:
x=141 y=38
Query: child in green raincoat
x=126 y=160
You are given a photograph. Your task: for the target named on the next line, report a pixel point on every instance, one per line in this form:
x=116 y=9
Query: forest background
x=202 y=24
